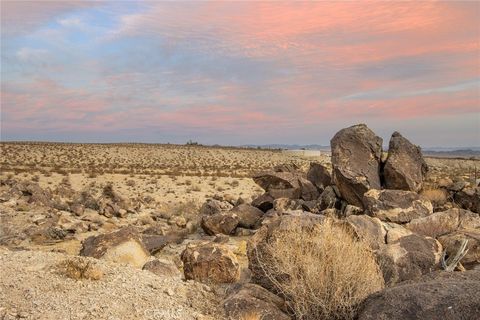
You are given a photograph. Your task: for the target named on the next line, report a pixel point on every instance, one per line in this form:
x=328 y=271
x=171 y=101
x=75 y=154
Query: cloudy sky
x=238 y=73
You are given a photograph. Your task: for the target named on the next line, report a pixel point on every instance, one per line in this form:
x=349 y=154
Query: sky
x=238 y=73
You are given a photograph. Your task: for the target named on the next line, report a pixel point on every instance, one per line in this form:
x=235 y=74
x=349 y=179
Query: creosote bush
x=323 y=272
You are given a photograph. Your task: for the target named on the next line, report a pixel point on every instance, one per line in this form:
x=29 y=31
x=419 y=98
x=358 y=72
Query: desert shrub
x=79 y=268
x=323 y=272
x=438 y=197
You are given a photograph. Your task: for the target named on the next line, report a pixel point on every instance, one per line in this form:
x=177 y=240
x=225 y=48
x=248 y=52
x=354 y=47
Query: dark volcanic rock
x=219 y=223
x=319 y=175
x=210 y=262
x=405 y=167
x=469 y=199
x=408 y=258
x=248 y=215
x=356 y=155
x=264 y=202
x=252 y=299
x=441 y=295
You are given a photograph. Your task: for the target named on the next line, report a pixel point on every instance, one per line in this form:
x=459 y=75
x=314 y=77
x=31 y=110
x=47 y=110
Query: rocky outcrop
x=219 y=223
x=210 y=262
x=251 y=299
x=396 y=205
x=405 y=167
x=123 y=246
x=441 y=295
x=356 y=155
x=248 y=216
x=408 y=258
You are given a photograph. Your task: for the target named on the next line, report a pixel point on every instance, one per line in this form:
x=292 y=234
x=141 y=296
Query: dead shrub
x=437 y=197
x=80 y=268
x=323 y=272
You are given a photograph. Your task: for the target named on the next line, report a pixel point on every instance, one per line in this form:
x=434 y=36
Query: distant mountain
x=448 y=152
x=288 y=146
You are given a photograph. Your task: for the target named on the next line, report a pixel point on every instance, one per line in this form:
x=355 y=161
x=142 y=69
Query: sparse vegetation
x=325 y=273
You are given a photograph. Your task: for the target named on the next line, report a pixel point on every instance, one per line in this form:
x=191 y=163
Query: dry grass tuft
x=80 y=268
x=437 y=197
x=251 y=316
x=324 y=272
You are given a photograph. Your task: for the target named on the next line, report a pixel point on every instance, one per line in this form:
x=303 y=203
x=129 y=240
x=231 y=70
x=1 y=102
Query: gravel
x=32 y=287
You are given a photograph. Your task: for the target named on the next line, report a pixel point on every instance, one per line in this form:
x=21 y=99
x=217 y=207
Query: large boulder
x=405 y=167
x=122 y=246
x=396 y=205
x=408 y=258
x=211 y=263
x=468 y=198
x=257 y=247
x=319 y=175
x=248 y=216
x=219 y=223
x=356 y=156
x=444 y=222
x=441 y=295
x=252 y=299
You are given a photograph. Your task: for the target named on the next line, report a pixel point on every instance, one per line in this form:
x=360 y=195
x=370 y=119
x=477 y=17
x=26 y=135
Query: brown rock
x=452 y=242
x=224 y=223
x=252 y=299
x=441 y=295
x=210 y=262
x=123 y=246
x=212 y=206
x=441 y=223
x=319 y=175
x=263 y=202
x=408 y=258
x=248 y=216
x=356 y=154
x=405 y=167
x=468 y=199
x=396 y=205
x=162 y=268
x=368 y=229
